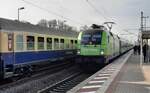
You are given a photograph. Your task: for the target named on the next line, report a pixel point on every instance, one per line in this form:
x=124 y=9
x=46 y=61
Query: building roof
x=14 y=25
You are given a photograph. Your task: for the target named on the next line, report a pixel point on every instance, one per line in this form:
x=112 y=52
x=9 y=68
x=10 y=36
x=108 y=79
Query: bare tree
x=56 y=24
x=43 y=23
x=60 y=25
x=83 y=28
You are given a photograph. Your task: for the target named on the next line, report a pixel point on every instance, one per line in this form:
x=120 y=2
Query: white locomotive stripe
x=92 y=86
x=88 y=92
x=101 y=77
x=97 y=81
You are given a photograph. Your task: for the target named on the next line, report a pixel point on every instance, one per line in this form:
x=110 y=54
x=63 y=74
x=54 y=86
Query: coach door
x=8 y=68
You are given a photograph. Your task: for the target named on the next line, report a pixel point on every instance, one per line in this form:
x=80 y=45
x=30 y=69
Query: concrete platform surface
x=101 y=81
x=125 y=75
x=133 y=78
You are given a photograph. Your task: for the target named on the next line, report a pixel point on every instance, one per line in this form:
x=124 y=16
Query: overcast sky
x=125 y=13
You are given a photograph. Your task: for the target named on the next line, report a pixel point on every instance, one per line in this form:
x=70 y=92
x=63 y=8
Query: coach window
x=30 y=42
x=75 y=43
x=19 y=42
x=67 y=43
x=40 y=42
x=71 y=44
x=56 y=43
x=61 y=43
x=49 y=43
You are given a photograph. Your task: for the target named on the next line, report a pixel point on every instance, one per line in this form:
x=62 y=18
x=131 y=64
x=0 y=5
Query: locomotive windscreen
x=91 y=37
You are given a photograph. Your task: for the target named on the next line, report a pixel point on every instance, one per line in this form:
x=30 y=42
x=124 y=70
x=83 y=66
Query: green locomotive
x=99 y=46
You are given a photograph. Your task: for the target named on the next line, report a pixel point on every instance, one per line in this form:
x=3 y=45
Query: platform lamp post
x=21 y=8
x=145 y=29
x=141 y=40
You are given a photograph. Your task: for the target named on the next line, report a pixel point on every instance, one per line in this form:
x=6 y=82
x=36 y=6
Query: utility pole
x=141 y=41
x=145 y=22
x=141 y=38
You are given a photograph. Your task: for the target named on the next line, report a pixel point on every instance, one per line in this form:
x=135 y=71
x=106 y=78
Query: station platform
x=125 y=75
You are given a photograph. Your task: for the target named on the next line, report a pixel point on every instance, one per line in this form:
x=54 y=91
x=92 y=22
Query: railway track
x=66 y=84
x=52 y=68
x=7 y=83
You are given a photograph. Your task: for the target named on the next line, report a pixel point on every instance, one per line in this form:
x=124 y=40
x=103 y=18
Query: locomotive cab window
x=40 y=42
x=86 y=38
x=49 y=43
x=96 y=38
x=91 y=37
x=30 y=42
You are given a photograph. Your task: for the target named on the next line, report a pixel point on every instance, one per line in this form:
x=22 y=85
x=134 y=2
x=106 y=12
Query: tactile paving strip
x=97 y=82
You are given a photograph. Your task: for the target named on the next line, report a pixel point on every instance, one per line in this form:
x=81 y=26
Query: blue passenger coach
x=23 y=45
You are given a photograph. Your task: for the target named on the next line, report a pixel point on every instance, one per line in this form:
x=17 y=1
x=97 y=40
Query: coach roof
x=14 y=25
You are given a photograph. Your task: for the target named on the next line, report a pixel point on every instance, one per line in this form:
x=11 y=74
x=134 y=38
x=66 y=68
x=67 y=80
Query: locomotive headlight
x=102 y=52
x=78 y=52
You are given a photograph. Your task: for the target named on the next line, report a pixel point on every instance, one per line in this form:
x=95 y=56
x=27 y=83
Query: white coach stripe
x=97 y=81
x=92 y=86
x=101 y=77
